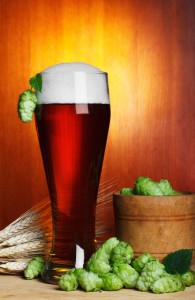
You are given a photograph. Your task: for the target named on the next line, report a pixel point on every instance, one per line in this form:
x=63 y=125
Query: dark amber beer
x=72 y=139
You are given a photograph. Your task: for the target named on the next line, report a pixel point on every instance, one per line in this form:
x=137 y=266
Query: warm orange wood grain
x=147 y=47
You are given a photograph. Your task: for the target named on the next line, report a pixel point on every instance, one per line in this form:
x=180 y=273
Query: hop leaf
x=36 y=82
x=178 y=261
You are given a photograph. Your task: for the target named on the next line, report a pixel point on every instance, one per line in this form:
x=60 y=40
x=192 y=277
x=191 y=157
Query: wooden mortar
x=155 y=224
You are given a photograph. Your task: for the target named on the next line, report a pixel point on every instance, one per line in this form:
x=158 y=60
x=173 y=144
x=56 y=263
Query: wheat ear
x=38 y=215
x=23 y=238
x=23 y=250
x=13 y=267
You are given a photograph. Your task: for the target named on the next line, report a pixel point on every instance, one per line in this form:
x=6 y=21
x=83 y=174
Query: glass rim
x=73 y=72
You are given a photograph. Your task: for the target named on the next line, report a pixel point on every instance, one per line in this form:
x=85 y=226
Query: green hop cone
x=34 y=267
x=127 y=191
x=26 y=105
x=90 y=282
x=122 y=253
x=188 y=278
x=167 y=189
x=139 y=262
x=127 y=274
x=76 y=272
x=151 y=272
x=99 y=261
x=147 y=187
x=108 y=245
x=99 y=266
x=68 y=282
x=111 y=282
x=168 y=283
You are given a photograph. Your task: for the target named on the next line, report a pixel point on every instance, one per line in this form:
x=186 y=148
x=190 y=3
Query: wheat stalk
x=23 y=238
x=34 y=217
x=14 y=267
x=17 y=226
x=26 y=237
x=23 y=250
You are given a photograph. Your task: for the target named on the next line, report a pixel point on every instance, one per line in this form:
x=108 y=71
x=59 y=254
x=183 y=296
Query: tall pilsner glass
x=72 y=120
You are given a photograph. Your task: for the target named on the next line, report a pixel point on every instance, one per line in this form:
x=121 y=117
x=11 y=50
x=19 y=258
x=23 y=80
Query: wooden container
x=155 y=224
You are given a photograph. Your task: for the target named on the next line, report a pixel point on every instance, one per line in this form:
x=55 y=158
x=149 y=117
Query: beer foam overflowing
x=76 y=82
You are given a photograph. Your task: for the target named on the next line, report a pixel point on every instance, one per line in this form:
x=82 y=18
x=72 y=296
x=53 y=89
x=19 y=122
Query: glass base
x=53 y=271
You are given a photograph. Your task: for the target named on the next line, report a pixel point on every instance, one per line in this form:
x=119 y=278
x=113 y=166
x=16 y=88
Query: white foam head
x=73 y=83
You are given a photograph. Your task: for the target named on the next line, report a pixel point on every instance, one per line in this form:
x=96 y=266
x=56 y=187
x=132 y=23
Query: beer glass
x=72 y=120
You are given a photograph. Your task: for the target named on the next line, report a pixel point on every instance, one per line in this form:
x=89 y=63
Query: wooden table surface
x=18 y=288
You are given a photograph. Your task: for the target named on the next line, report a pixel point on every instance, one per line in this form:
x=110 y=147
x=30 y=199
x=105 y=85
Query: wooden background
x=148 y=49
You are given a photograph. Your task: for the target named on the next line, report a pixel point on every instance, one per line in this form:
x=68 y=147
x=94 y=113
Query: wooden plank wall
x=148 y=49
